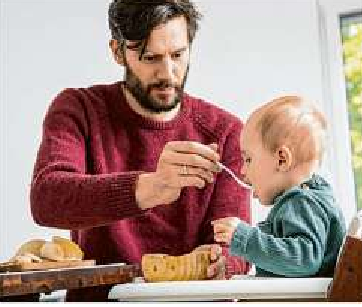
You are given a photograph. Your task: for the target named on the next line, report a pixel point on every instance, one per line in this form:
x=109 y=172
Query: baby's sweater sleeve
x=300 y=248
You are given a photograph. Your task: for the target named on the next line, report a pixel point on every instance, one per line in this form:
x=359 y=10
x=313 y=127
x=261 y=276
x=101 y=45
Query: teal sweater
x=301 y=236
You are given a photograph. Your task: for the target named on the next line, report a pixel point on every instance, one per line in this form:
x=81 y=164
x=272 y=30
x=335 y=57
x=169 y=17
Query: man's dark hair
x=135 y=19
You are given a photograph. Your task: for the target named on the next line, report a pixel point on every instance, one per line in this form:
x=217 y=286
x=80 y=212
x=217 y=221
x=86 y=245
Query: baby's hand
x=224 y=229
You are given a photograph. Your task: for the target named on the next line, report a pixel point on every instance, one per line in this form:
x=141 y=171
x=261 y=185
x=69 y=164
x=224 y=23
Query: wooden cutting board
x=45 y=265
x=44 y=281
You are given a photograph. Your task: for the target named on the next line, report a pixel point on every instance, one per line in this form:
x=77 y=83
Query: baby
x=283 y=145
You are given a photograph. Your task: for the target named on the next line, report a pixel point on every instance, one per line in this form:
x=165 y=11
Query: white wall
x=45 y=46
x=251 y=50
x=246 y=52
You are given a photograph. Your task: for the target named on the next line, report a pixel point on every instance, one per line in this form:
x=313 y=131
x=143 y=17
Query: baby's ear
x=116 y=51
x=284 y=158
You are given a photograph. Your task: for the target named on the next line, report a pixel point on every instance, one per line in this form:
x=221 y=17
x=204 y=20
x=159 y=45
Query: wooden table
x=20 y=286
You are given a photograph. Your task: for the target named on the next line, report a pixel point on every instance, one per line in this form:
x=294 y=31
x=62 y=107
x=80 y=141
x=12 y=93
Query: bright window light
x=351 y=32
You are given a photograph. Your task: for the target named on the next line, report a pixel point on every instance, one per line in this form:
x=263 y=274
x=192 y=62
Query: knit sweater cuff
x=240 y=239
x=122 y=194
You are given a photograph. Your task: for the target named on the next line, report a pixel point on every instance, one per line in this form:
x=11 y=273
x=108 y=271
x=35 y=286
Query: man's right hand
x=181 y=164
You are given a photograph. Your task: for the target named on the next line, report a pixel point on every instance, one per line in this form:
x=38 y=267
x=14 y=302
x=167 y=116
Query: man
x=130 y=167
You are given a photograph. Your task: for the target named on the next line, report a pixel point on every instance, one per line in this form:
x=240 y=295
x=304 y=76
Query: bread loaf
x=59 y=249
x=162 y=267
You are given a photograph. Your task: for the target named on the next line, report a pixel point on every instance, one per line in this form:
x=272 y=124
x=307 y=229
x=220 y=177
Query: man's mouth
x=164 y=93
x=164 y=90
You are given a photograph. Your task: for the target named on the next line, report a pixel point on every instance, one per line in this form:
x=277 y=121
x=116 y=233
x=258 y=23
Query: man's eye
x=149 y=58
x=176 y=55
x=247 y=160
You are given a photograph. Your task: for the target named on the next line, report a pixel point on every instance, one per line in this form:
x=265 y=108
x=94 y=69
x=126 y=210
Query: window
x=339 y=24
x=351 y=32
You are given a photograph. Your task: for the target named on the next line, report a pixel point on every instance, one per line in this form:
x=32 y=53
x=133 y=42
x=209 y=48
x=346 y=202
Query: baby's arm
x=298 y=247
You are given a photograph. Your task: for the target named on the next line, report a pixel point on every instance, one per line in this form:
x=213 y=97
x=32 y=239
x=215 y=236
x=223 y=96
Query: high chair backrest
x=346 y=285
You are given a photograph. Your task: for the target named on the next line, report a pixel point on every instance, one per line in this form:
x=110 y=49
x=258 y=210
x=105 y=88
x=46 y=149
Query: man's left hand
x=216 y=269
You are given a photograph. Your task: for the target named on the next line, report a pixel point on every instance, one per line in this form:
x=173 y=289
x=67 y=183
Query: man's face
x=157 y=80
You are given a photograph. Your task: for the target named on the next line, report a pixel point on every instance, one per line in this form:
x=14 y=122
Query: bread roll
x=71 y=250
x=52 y=251
x=26 y=258
x=30 y=247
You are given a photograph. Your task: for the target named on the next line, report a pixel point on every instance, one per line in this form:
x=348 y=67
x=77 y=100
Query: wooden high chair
x=346 y=285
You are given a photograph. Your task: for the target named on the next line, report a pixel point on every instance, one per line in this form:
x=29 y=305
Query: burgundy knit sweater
x=93 y=148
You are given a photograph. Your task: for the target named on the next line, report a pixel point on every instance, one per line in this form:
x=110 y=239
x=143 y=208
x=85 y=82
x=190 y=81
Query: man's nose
x=167 y=70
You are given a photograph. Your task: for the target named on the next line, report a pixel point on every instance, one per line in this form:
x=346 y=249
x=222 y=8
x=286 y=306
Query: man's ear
x=284 y=158
x=116 y=51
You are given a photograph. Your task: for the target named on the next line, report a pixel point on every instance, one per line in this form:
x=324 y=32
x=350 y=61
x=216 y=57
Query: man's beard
x=143 y=96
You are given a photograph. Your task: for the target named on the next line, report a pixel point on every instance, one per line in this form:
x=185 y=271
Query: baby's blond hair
x=294 y=122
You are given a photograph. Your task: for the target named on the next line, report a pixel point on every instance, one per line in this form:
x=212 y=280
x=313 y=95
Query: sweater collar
x=313 y=185
x=134 y=118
